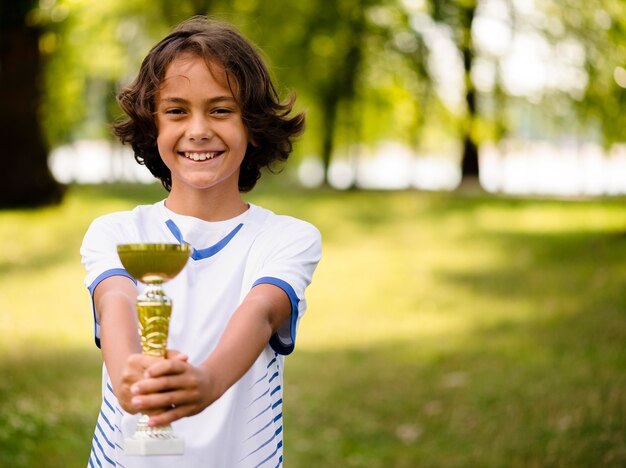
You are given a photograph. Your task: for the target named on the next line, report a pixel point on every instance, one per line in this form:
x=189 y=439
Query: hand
x=133 y=371
x=173 y=389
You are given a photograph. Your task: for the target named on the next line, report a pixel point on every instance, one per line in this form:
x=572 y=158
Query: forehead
x=196 y=73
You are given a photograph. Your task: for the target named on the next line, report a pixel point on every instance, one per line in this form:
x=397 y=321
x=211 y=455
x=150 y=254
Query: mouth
x=200 y=156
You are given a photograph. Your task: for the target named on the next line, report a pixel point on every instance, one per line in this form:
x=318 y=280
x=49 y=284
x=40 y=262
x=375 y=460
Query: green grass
x=442 y=330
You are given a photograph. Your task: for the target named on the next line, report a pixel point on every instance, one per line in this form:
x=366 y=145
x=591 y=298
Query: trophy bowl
x=154 y=263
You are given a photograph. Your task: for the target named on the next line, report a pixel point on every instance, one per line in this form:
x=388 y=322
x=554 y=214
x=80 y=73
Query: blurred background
x=525 y=95
x=465 y=161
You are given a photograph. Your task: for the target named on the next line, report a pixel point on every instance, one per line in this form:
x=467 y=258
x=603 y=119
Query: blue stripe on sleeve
x=92 y=288
x=275 y=342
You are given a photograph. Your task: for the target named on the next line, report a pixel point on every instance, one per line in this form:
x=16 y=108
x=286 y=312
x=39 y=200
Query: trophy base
x=153 y=440
x=154 y=446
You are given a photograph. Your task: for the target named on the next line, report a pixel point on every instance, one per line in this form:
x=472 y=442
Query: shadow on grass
x=531 y=395
x=48 y=405
x=544 y=388
x=588 y=264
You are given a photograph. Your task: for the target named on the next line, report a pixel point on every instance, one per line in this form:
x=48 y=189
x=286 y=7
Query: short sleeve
x=289 y=254
x=99 y=256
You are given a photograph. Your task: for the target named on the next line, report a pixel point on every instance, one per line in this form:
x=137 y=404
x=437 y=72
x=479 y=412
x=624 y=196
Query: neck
x=208 y=206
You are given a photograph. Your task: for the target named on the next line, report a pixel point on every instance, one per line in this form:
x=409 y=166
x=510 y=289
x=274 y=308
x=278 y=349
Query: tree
x=322 y=55
x=98 y=49
x=28 y=180
x=460 y=14
x=599 y=28
x=586 y=49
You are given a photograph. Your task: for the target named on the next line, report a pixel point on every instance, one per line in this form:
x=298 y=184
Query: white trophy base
x=153 y=440
x=154 y=446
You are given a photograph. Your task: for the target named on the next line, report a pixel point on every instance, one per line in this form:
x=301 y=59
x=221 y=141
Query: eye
x=222 y=111
x=175 y=111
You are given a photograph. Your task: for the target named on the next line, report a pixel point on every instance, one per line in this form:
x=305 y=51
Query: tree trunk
x=329 y=111
x=469 y=161
x=24 y=155
x=343 y=89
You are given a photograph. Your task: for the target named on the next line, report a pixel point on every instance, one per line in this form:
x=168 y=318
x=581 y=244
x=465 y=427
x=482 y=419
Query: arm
x=114 y=300
x=191 y=389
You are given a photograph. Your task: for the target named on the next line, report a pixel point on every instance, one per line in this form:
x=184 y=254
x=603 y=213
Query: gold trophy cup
x=153 y=264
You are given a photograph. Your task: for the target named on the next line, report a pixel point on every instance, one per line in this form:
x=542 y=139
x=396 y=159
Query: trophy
x=153 y=264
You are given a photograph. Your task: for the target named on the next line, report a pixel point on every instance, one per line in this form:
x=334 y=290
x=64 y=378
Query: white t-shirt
x=243 y=427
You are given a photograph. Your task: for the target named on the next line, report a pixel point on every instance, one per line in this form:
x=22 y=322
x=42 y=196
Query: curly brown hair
x=266 y=118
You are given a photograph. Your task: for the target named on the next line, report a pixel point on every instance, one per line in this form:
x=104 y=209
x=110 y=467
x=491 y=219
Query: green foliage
x=337 y=56
x=442 y=330
x=601 y=30
x=361 y=67
x=98 y=48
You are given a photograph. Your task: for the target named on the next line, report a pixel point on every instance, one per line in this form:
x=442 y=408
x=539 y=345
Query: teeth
x=200 y=156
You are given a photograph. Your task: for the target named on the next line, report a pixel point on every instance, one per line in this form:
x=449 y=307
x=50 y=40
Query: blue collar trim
x=200 y=254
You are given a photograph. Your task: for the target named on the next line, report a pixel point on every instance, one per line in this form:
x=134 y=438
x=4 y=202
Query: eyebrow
x=213 y=100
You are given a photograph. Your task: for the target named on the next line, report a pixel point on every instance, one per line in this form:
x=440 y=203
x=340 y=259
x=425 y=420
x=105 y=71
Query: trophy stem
x=154 y=310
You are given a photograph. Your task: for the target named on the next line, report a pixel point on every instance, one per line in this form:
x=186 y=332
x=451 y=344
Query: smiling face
x=201 y=136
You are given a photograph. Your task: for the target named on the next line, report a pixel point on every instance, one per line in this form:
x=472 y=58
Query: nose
x=199 y=129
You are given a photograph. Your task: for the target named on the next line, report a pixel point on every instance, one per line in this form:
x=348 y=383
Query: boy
x=204 y=117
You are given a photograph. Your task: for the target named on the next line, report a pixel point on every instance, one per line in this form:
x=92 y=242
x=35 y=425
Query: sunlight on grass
x=41 y=286
x=549 y=217
x=49 y=312
x=396 y=282
x=442 y=331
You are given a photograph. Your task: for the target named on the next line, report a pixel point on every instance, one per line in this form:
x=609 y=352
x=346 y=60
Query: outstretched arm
x=187 y=390
x=114 y=300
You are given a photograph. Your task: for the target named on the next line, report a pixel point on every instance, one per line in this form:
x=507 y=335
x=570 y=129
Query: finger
x=166 y=417
x=173 y=354
x=171 y=414
x=162 y=384
x=164 y=367
x=148 y=404
x=163 y=401
x=153 y=412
